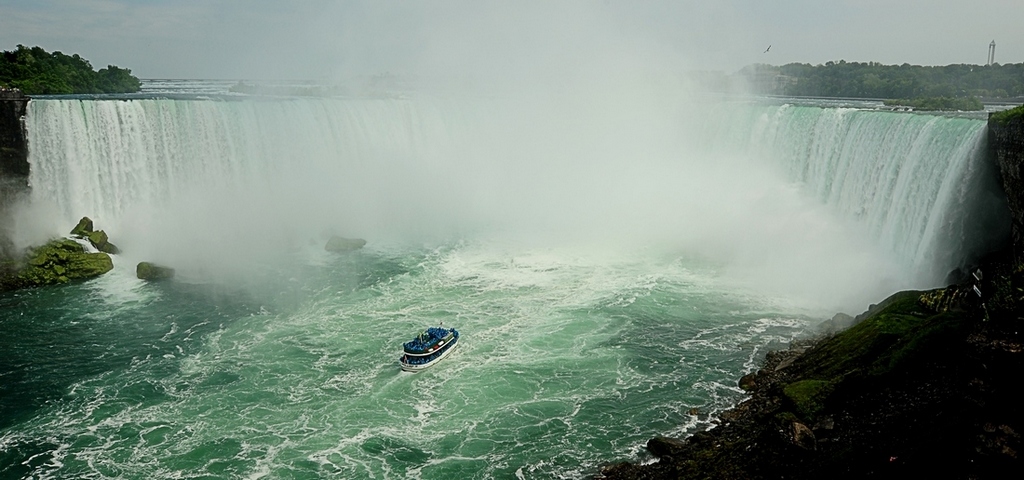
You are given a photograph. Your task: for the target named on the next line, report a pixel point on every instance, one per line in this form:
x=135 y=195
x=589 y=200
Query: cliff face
x=1006 y=137
x=13 y=160
x=13 y=147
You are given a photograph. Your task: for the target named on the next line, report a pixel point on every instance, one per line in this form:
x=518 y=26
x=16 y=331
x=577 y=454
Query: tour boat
x=428 y=348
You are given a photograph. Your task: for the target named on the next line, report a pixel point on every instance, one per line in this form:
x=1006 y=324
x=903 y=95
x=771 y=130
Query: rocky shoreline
x=909 y=390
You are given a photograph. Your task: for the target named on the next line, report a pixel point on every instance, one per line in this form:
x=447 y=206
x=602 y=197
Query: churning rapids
x=614 y=265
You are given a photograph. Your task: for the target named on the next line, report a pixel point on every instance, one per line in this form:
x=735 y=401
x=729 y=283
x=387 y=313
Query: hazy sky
x=322 y=39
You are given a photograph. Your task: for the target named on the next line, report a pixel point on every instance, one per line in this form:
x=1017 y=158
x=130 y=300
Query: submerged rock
x=151 y=271
x=341 y=244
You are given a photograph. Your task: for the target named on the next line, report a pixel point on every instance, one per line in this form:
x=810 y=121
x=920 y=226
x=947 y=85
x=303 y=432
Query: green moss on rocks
x=83 y=228
x=808 y=396
x=151 y=271
x=868 y=347
x=99 y=240
x=60 y=261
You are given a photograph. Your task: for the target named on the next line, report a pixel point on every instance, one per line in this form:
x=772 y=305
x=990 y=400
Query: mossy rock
x=341 y=244
x=897 y=332
x=83 y=228
x=60 y=261
x=151 y=271
x=808 y=396
x=87 y=265
x=99 y=240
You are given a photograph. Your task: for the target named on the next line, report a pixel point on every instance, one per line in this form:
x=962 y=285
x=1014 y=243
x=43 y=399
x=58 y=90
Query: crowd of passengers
x=426 y=338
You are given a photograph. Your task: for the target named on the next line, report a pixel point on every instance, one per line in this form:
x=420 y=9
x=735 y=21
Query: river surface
x=611 y=278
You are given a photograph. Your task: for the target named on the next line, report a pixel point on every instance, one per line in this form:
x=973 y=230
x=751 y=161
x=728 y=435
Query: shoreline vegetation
x=35 y=71
x=938 y=104
x=873 y=80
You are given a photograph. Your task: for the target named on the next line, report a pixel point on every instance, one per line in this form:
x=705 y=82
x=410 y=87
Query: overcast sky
x=329 y=40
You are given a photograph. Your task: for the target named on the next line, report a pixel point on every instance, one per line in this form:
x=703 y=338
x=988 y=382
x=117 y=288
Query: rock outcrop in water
x=58 y=261
x=152 y=271
x=925 y=384
x=98 y=238
x=341 y=244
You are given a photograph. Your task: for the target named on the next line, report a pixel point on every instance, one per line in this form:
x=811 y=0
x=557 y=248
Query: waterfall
x=915 y=182
x=909 y=181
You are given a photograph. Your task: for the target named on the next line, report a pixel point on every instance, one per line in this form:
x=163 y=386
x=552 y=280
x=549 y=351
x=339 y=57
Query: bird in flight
x=769 y=48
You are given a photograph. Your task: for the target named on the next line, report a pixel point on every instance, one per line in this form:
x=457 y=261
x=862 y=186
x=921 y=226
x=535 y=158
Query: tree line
x=36 y=72
x=874 y=80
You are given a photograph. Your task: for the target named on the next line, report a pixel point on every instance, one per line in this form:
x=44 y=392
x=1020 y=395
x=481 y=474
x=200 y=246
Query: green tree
x=37 y=72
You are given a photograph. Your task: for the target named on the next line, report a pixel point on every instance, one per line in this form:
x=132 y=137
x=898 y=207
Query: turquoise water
x=569 y=359
x=614 y=265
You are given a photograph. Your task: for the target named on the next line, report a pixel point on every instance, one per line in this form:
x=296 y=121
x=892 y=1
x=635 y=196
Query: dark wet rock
x=664 y=446
x=909 y=391
x=152 y=271
x=1006 y=140
x=341 y=244
x=802 y=436
x=748 y=382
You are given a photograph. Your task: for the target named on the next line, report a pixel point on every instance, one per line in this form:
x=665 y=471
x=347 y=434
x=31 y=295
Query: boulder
x=748 y=382
x=341 y=244
x=99 y=240
x=802 y=436
x=83 y=228
x=665 y=446
x=151 y=271
x=60 y=261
